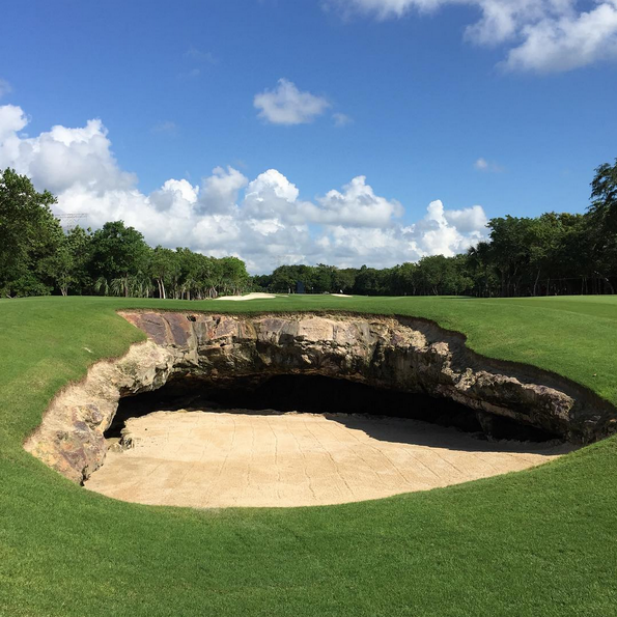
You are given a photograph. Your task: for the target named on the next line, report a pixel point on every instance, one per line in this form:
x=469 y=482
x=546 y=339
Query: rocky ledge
x=390 y=352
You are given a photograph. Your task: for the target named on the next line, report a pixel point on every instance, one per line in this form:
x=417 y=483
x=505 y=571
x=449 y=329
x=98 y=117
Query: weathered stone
x=388 y=352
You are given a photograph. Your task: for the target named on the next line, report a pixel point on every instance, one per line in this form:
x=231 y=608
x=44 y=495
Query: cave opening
x=316 y=394
x=301 y=440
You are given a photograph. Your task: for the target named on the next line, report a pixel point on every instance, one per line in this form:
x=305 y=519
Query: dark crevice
x=317 y=394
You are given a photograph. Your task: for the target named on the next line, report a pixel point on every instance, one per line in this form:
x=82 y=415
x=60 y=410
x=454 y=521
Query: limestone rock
x=402 y=353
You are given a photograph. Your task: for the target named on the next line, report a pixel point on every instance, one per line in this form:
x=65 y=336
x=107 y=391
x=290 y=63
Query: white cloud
x=341 y=119
x=63 y=157
x=543 y=35
x=12 y=120
x=220 y=190
x=264 y=221
x=287 y=105
x=357 y=206
x=569 y=42
x=488 y=166
x=5 y=88
x=175 y=196
x=271 y=195
x=438 y=233
x=467 y=220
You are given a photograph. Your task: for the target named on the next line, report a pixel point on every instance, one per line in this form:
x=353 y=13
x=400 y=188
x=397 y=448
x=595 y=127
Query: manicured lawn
x=535 y=543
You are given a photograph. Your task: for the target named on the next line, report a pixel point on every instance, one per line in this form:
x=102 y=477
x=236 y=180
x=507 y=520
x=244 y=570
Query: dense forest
x=38 y=257
x=555 y=253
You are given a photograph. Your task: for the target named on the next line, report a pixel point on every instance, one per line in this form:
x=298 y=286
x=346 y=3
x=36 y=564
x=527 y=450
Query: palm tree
x=101 y=284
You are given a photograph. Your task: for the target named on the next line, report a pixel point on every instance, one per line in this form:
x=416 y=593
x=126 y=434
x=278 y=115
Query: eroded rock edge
x=392 y=352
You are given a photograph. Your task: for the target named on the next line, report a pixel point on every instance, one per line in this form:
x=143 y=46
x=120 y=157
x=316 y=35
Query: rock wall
x=407 y=354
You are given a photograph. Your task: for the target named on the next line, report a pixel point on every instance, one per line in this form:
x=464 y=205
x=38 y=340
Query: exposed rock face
x=402 y=353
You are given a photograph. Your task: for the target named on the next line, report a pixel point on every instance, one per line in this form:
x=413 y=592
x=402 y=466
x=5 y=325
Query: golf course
x=538 y=542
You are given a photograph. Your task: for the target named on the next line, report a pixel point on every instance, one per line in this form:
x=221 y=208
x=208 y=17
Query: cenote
x=304 y=410
x=320 y=395
x=298 y=440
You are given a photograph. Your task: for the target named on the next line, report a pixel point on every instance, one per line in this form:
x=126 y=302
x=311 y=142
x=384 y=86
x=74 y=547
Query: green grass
x=535 y=543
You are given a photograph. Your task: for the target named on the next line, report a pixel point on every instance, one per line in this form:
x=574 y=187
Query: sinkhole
x=300 y=440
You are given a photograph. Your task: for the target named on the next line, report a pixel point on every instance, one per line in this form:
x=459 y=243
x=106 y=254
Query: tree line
x=37 y=257
x=552 y=254
x=555 y=253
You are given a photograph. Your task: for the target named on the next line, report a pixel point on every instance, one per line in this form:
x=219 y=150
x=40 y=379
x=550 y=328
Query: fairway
x=539 y=542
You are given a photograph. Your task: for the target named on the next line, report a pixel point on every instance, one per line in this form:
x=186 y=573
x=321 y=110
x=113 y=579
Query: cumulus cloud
x=64 y=157
x=220 y=190
x=543 y=35
x=570 y=42
x=467 y=220
x=271 y=195
x=264 y=221
x=357 y=206
x=12 y=120
x=288 y=105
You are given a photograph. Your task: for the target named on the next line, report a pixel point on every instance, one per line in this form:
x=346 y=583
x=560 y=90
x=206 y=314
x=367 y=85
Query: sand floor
x=213 y=459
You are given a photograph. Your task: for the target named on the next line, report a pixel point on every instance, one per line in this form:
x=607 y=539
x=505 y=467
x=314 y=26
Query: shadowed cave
x=319 y=395
x=197 y=415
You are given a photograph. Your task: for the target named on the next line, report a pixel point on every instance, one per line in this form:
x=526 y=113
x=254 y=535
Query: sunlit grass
x=539 y=542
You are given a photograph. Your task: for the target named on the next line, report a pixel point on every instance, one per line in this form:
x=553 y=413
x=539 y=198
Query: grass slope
x=536 y=543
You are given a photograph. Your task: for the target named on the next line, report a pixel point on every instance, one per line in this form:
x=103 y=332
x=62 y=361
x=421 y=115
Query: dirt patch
x=210 y=459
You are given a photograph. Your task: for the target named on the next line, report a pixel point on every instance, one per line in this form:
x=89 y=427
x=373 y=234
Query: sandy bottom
x=251 y=296
x=212 y=459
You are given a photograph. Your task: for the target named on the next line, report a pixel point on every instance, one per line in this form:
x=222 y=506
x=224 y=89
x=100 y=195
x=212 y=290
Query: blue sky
x=505 y=105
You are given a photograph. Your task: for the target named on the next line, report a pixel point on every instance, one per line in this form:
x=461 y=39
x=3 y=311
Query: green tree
x=164 y=267
x=67 y=267
x=345 y=279
x=603 y=208
x=119 y=253
x=59 y=267
x=29 y=233
x=233 y=277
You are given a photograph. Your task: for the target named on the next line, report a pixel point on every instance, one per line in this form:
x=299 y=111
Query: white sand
x=213 y=459
x=251 y=296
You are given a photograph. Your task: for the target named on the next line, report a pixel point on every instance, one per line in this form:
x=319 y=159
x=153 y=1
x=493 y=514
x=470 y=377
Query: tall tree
x=164 y=269
x=29 y=233
x=119 y=253
x=603 y=208
x=67 y=267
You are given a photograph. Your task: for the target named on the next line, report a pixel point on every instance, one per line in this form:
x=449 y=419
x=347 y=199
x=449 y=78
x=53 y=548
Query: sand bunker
x=214 y=459
x=265 y=296
x=251 y=296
